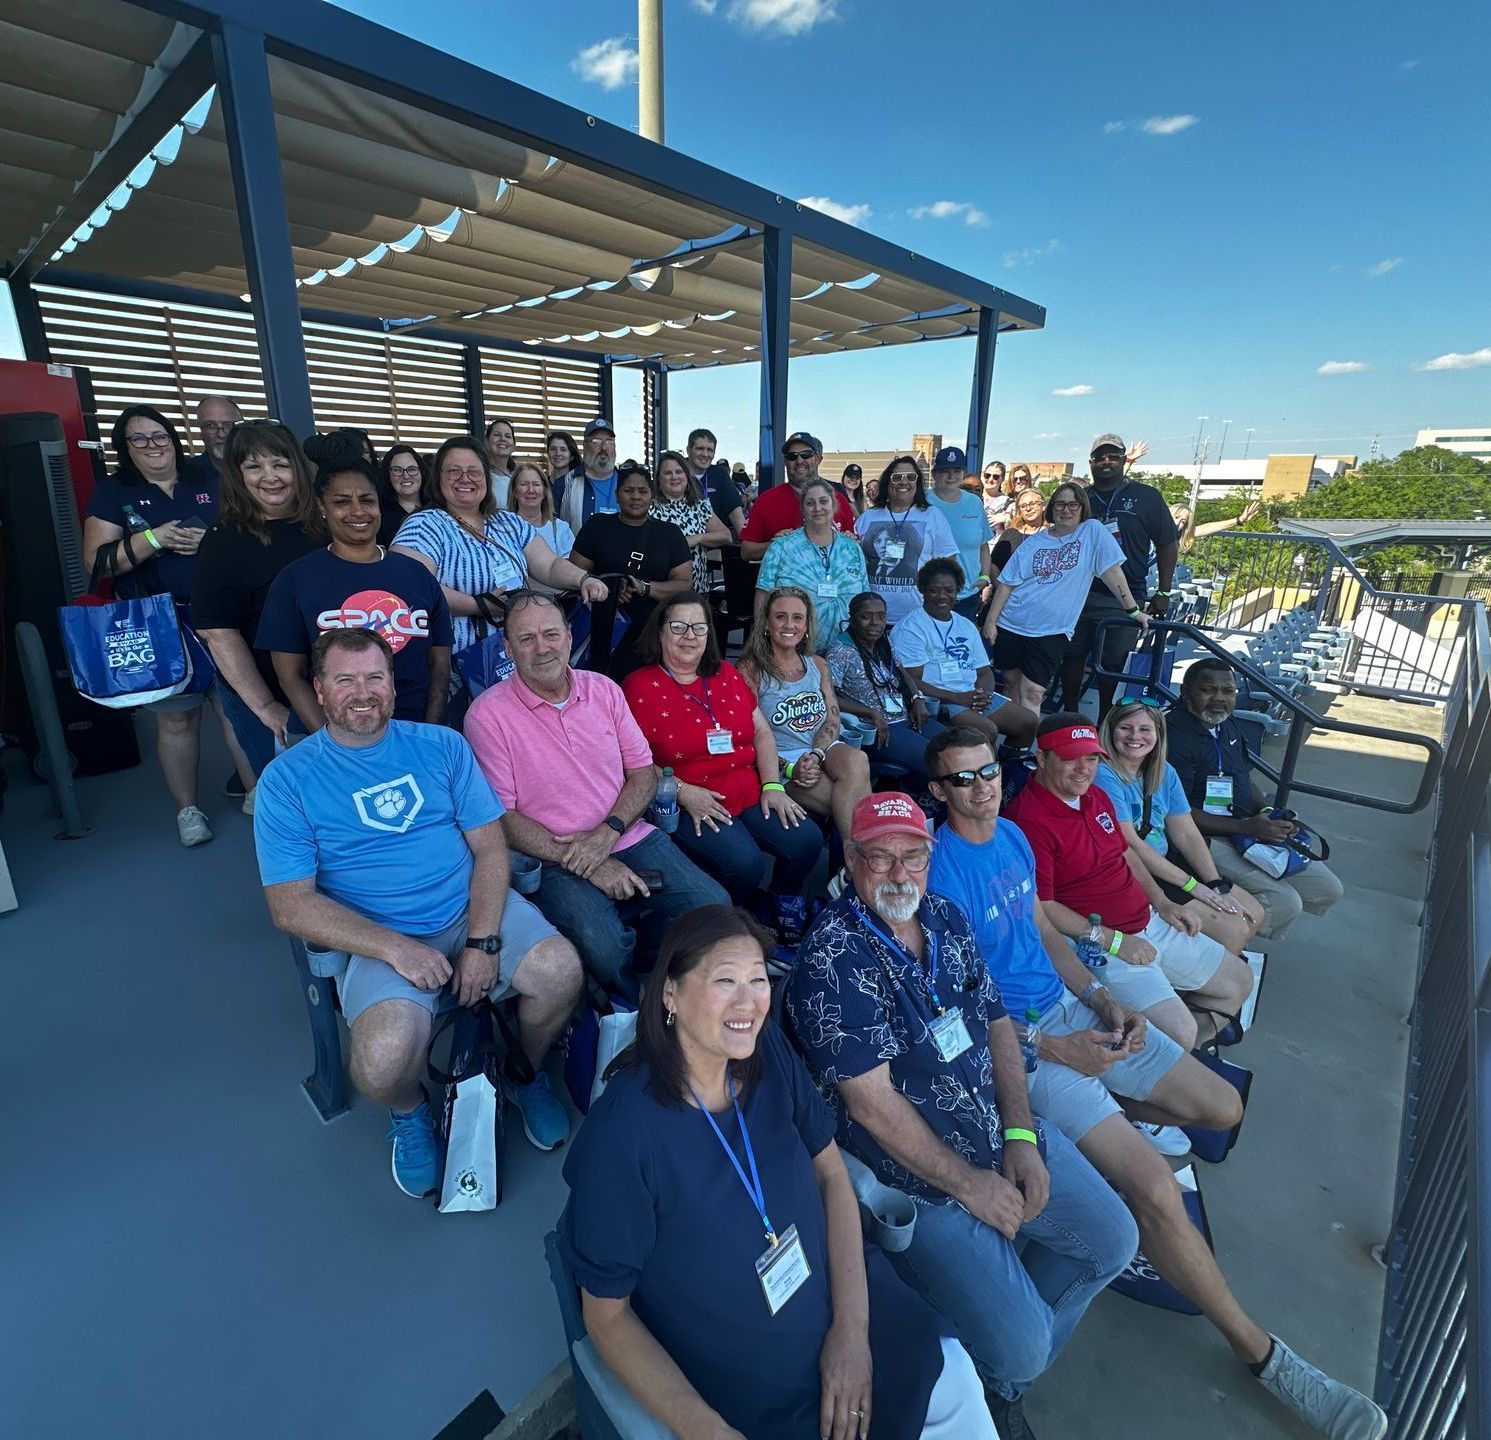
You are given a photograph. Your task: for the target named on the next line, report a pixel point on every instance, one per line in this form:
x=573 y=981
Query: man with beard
x=216 y=416
x=905 y=1033
x=380 y=845
x=592 y=489
x=1211 y=758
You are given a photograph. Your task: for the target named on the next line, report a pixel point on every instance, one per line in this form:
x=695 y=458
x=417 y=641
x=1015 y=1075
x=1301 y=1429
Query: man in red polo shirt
x=1095 y=890
x=779 y=509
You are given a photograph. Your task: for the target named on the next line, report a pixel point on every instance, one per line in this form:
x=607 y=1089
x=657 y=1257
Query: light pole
x=1248 y=443
x=1226 y=426
x=650 y=69
x=1200 y=460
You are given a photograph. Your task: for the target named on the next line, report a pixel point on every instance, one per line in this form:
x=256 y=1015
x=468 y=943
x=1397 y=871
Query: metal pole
x=983 y=380
x=53 y=754
x=608 y=393
x=476 y=402
x=242 y=69
x=776 y=342
x=659 y=411
x=650 y=69
x=29 y=321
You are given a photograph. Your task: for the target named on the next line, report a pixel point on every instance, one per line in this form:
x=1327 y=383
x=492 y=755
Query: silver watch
x=1092 y=989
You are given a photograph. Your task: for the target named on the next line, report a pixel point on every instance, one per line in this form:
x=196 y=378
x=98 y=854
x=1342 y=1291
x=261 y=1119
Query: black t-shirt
x=650 y=551
x=136 y=506
x=234 y=573
x=1196 y=753
x=1137 y=517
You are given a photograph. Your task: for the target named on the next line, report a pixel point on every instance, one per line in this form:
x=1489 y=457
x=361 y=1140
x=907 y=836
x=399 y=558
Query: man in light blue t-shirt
x=380 y=846
x=970 y=526
x=1092 y=1048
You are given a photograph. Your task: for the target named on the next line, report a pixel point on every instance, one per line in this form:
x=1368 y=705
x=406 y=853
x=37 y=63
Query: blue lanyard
x=929 y=975
x=944 y=637
x=1108 y=501
x=752 y=1185
x=896 y=524
x=1216 y=740
x=689 y=695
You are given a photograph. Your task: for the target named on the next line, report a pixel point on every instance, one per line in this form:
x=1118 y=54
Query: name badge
x=1113 y=530
x=895 y=707
x=1218 y=798
x=951 y=673
x=950 y=1035
x=895 y=549
x=827 y=590
x=721 y=742
x=783 y=1270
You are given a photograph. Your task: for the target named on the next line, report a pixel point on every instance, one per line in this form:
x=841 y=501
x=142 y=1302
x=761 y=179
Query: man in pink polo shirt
x=561 y=749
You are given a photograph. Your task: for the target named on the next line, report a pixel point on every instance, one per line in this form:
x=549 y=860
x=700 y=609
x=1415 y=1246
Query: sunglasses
x=794 y=455
x=962 y=779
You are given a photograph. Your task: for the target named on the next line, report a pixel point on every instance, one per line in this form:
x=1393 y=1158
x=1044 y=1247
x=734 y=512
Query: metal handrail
x=1301 y=715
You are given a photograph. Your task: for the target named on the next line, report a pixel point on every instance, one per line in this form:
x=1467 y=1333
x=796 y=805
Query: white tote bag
x=617 y=1031
x=471 y=1157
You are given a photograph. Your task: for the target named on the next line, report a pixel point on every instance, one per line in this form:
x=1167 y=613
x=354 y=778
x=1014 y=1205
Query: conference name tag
x=950 y=1035
x=827 y=590
x=783 y=1270
x=1218 y=797
x=952 y=672
x=721 y=742
x=1114 y=531
x=895 y=549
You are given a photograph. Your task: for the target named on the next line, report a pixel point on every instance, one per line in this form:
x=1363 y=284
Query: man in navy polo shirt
x=714 y=481
x=906 y=1035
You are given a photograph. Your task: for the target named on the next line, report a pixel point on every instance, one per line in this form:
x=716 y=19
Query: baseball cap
x=890 y=812
x=854 y=470
x=950 y=458
x=596 y=425
x=1071 y=741
x=801 y=437
x=1116 y=441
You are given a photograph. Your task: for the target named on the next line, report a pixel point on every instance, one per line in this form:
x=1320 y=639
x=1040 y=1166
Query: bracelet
x=1028 y=1136
x=1189 y=885
x=1161 y=595
x=772 y=785
x=1135 y=613
x=154 y=543
x=1091 y=990
x=1115 y=942
x=787 y=768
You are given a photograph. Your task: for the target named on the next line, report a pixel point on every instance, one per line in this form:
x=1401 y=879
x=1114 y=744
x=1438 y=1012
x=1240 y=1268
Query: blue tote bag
x=132 y=652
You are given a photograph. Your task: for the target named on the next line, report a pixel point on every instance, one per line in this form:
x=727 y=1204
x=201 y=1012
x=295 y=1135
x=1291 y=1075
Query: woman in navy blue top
x=709 y=1159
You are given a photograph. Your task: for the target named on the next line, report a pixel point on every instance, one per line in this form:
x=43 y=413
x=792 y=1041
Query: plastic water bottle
x=134 y=523
x=1089 y=952
x=1030 y=1040
x=665 y=804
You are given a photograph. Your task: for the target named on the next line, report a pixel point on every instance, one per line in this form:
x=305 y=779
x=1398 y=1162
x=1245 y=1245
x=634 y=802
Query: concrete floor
x=187 y=1250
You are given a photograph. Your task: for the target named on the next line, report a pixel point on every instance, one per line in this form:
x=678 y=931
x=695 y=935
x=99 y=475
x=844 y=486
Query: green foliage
x=1426 y=483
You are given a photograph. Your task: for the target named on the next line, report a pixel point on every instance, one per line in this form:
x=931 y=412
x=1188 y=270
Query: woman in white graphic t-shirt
x=1039 y=594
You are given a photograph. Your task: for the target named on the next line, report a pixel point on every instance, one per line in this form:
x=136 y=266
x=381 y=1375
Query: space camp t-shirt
x=380 y=829
x=396 y=597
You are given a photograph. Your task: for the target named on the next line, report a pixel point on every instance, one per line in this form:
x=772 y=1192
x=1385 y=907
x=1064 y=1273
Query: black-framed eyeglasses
x=962 y=779
x=214 y=426
x=689 y=627
x=794 y=455
x=156 y=440
x=404 y=471
x=1066 y=504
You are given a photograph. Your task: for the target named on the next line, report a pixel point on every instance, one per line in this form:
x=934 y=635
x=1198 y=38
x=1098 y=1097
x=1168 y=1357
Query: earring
x=669 y=1021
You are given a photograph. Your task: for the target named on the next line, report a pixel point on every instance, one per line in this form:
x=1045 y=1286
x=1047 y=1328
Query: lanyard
x=753 y=1184
x=1216 y=740
x=896 y=524
x=929 y=975
x=825 y=554
x=1108 y=501
x=944 y=636
x=693 y=699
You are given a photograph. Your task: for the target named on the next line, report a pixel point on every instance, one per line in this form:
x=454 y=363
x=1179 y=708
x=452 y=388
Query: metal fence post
x=776 y=344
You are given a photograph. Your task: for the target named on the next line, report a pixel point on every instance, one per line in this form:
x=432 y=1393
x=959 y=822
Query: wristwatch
x=487 y=944
x=1091 y=991
x=617 y=824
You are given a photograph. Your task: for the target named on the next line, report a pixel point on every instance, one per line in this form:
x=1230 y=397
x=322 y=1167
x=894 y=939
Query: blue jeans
x=737 y=855
x=1014 y=1312
x=606 y=931
x=254 y=736
x=906 y=747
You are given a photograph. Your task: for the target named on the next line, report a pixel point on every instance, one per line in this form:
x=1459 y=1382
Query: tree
x=1426 y=483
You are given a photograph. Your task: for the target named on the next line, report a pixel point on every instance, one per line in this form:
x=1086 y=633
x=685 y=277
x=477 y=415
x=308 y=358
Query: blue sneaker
x=416 y=1161
x=545 y=1120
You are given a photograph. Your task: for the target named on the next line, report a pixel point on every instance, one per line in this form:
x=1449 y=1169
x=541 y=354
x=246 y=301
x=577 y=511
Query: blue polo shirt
x=856 y=1000
x=993 y=884
x=194 y=499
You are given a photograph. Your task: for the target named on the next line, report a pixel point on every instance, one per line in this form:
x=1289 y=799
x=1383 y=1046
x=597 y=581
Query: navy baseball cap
x=950 y=458
x=598 y=425
x=801 y=437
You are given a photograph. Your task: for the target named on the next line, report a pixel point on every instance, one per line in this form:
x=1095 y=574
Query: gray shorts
x=1075 y=1103
x=365 y=982
x=1182 y=962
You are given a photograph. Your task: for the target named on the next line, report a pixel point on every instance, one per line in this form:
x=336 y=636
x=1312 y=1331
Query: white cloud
x=707 y=6
x=1456 y=361
x=1067 y=390
x=1383 y=266
x=783 y=17
x=1114 y=126
x=1342 y=367
x=850 y=214
x=969 y=213
x=1047 y=435
x=1031 y=253
x=1168 y=124
x=608 y=63
x=1408 y=65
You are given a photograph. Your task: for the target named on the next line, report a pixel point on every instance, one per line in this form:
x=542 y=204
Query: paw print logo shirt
x=381 y=830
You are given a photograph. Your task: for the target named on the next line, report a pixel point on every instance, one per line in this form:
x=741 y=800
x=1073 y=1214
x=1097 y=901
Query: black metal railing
x=1434 y=1362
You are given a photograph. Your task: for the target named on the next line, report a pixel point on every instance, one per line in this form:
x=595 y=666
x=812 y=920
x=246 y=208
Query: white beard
x=897 y=903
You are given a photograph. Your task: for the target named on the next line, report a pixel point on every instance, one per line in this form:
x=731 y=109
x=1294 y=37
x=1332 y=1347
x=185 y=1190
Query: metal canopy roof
x=423 y=208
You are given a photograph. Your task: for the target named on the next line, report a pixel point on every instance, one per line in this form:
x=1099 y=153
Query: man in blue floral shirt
x=904 y=1030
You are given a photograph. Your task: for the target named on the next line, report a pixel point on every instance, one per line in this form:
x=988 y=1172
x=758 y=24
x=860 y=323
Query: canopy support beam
x=776 y=343
x=983 y=381
x=476 y=403
x=28 y=319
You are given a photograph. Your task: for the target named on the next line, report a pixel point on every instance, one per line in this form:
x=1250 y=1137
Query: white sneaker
x=1167 y=1139
x=248 y=801
x=192 y=827
x=1328 y=1406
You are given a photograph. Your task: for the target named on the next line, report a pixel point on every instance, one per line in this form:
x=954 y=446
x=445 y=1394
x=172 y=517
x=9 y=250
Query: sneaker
x=234 y=788
x=1167 y=1139
x=545 y=1120
x=248 y=801
x=416 y=1162
x=1325 y=1405
x=1009 y=1416
x=192 y=827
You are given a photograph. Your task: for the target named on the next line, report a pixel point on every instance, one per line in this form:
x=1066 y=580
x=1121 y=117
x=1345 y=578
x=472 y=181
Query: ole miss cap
x=598 y=425
x=888 y=813
x=801 y=437
x=1072 y=741
x=1105 y=442
x=950 y=458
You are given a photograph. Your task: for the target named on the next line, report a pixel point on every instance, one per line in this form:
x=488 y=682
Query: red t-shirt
x=779 y=509
x=677 y=720
x=1079 y=856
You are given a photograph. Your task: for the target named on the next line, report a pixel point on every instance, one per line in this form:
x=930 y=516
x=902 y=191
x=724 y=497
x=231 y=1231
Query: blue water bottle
x=1090 y=947
x=1030 y=1040
x=665 y=804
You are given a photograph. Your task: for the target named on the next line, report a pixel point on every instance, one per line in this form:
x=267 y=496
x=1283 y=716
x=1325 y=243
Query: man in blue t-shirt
x=380 y=846
x=1093 y=1048
x=970 y=526
x=591 y=490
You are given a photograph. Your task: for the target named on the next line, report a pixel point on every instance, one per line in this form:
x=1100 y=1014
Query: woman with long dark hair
x=502 y=447
x=564 y=460
x=401 y=482
x=715 y=1236
x=899 y=531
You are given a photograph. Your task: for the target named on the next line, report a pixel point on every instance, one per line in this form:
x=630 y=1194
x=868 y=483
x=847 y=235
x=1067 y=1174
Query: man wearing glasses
x=565 y=756
x=779 y=509
x=906 y=1035
x=1093 y=1048
x=216 y=415
x=593 y=490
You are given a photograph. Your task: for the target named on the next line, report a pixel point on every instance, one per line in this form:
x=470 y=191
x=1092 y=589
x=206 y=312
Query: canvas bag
x=485 y=662
x=1142 y=1282
x=471 y=1119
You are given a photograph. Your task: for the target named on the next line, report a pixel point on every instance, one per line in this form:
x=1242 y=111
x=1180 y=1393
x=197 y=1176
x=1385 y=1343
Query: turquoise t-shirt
x=970 y=526
x=1128 y=800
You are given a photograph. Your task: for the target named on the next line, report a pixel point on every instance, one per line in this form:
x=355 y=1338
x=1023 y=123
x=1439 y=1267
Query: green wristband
x=1115 y=942
x=150 y=536
x=1189 y=885
x=772 y=785
x=1028 y=1136
x=1135 y=613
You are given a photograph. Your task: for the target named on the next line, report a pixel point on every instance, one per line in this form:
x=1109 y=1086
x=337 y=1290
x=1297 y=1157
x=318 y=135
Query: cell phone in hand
x=652 y=879
x=193 y=522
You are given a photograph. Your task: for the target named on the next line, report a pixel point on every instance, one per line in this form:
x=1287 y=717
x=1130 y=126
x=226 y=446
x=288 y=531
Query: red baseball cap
x=1072 y=741
x=888 y=813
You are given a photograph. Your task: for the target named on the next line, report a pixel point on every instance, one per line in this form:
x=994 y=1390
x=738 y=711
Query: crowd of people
x=995 y=1018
